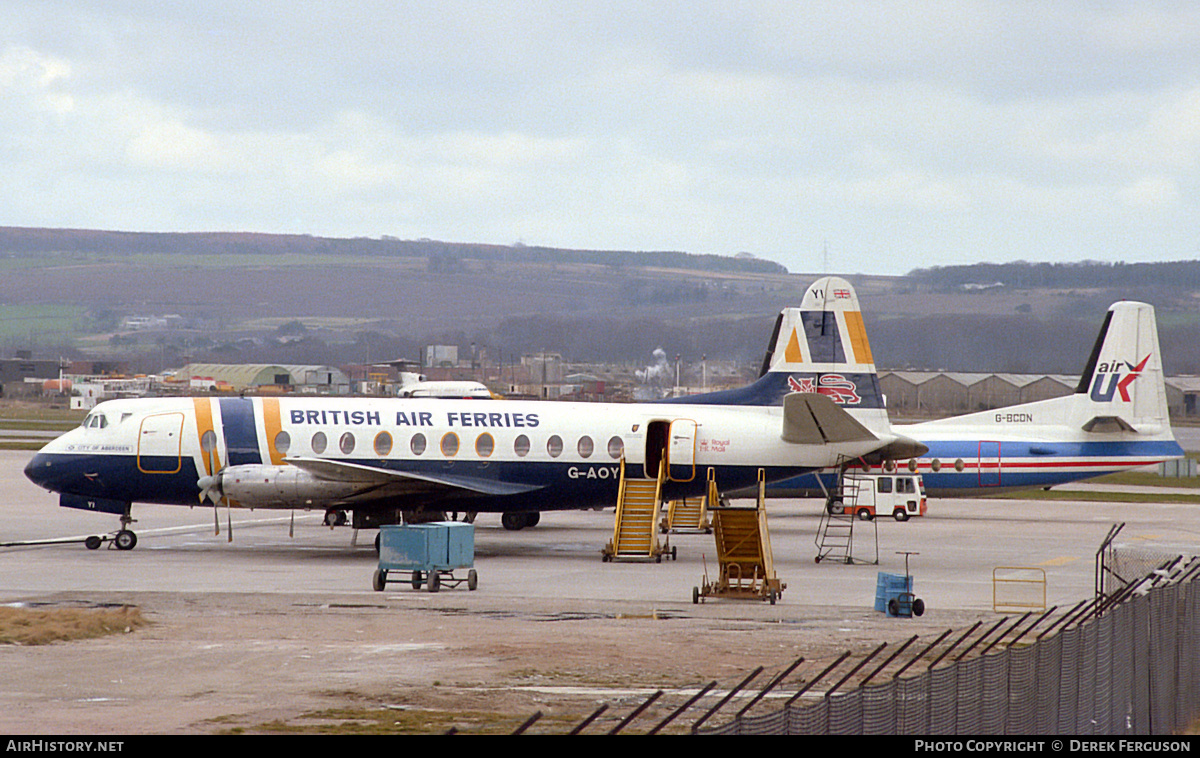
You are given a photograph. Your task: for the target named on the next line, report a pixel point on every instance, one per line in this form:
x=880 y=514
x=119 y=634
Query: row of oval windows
x=935 y=465
x=485 y=445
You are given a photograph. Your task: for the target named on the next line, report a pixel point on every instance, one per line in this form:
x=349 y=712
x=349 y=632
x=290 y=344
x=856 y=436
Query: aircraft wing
x=381 y=482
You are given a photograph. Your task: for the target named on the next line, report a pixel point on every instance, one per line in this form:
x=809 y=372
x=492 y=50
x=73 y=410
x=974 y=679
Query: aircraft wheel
x=472 y=580
x=512 y=521
x=93 y=542
x=378 y=580
x=532 y=518
x=901 y=515
x=125 y=540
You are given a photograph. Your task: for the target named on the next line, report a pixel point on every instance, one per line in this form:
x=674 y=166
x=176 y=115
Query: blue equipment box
x=436 y=546
x=889 y=587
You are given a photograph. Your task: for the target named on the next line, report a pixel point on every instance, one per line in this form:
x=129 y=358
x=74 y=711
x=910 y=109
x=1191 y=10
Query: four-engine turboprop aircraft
x=1115 y=420
x=382 y=457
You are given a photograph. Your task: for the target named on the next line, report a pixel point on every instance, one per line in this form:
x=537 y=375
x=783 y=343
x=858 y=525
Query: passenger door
x=681 y=451
x=160 y=441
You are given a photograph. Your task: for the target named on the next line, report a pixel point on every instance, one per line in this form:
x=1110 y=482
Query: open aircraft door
x=681 y=451
x=160 y=440
x=989 y=464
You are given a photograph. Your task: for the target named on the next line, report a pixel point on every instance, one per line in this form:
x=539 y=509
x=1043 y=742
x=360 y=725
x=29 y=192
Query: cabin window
x=616 y=448
x=346 y=443
x=283 y=441
x=449 y=444
x=554 y=446
x=585 y=447
x=959 y=465
x=208 y=441
x=319 y=443
x=383 y=444
x=521 y=445
x=936 y=465
x=484 y=445
x=417 y=444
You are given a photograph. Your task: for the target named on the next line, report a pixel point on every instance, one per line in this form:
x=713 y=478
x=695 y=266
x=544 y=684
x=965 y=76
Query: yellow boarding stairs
x=635 y=528
x=689 y=514
x=744 y=557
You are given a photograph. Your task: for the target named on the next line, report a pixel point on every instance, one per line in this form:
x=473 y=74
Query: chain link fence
x=1126 y=663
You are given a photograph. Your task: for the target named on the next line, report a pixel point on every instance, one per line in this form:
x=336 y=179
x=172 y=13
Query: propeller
x=211 y=489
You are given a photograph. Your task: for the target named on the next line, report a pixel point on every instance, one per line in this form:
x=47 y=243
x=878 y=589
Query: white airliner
x=380 y=458
x=416 y=385
x=1115 y=420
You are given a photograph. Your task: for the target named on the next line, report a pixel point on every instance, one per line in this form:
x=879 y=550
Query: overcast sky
x=891 y=135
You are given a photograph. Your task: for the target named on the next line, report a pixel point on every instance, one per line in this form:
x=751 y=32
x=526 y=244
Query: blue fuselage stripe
x=241 y=432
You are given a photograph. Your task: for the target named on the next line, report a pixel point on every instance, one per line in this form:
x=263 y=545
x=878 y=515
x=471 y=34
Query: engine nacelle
x=257 y=486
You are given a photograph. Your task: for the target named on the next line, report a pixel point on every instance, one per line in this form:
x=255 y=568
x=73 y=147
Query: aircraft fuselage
x=476 y=455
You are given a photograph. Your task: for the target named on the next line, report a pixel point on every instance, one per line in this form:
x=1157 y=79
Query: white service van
x=869 y=495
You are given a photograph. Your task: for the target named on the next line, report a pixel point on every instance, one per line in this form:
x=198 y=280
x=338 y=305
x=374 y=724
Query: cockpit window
x=95 y=421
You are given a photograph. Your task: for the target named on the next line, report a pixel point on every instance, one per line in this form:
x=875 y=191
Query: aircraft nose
x=40 y=470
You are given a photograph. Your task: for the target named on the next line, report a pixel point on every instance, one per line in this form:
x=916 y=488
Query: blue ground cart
x=428 y=554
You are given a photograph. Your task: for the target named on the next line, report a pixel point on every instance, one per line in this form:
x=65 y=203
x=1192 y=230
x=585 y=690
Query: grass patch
x=27 y=626
x=1096 y=497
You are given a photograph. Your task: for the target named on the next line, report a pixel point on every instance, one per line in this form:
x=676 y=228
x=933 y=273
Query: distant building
x=259 y=377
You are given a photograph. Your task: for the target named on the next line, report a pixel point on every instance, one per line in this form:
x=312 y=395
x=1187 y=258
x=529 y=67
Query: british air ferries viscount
x=380 y=458
x=1115 y=420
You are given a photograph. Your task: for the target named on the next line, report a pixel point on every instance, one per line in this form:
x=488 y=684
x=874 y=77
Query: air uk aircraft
x=382 y=459
x=1115 y=420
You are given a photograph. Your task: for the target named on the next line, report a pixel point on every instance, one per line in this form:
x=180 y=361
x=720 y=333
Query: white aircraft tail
x=822 y=347
x=1123 y=381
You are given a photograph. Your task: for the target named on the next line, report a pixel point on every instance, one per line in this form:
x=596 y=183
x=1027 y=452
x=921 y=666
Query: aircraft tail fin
x=1123 y=380
x=822 y=347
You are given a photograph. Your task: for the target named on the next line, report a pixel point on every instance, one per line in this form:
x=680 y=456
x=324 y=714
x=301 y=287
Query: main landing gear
x=517 y=520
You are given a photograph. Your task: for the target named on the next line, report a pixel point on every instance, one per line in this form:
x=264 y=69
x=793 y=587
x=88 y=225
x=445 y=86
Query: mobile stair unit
x=636 y=524
x=835 y=532
x=689 y=514
x=745 y=562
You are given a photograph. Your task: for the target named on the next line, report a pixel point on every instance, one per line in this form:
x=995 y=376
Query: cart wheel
x=674 y=557
x=817 y=559
x=695 y=596
x=472 y=580
x=378 y=580
x=771 y=597
x=894 y=607
x=918 y=607
x=416 y=580
x=435 y=581
x=93 y=542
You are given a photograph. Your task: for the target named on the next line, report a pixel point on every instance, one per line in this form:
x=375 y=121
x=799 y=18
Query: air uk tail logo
x=1120 y=375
